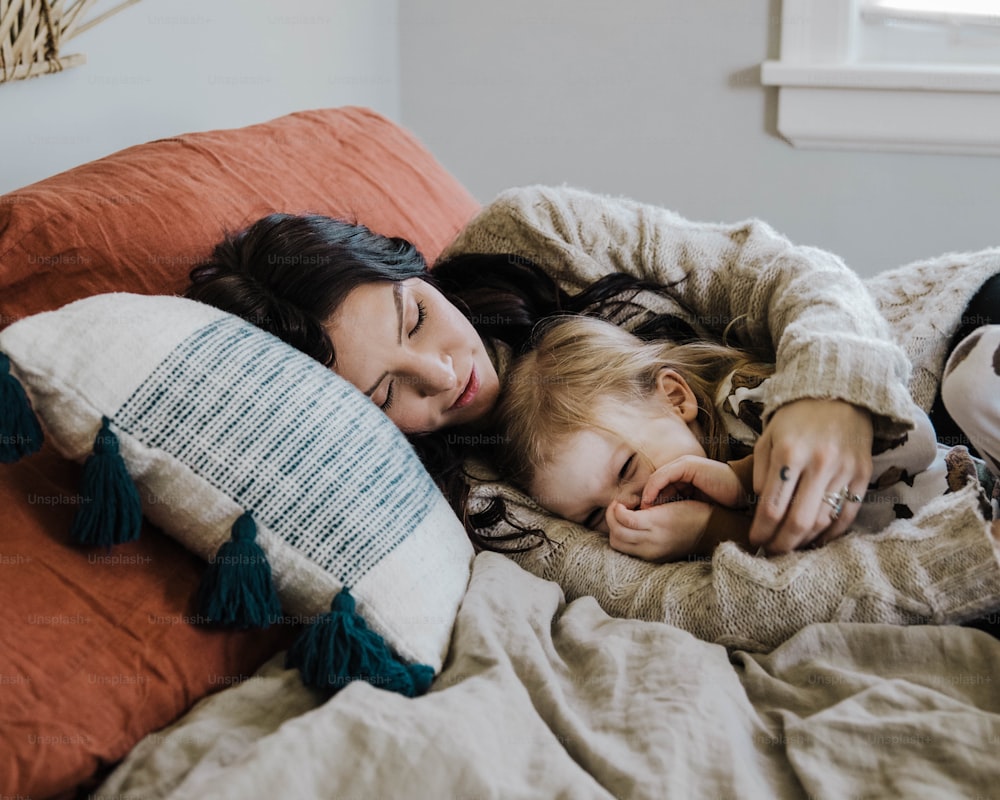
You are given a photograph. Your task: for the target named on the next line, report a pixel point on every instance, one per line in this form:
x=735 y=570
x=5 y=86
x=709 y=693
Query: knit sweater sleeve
x=939 y=567
x=801 y=303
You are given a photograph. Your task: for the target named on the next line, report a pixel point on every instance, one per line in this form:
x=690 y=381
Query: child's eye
x=421 y=316
x=626 y=469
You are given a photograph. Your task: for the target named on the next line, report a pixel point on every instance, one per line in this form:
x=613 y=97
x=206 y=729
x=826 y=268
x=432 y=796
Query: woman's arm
x=942 y=566
x=804 y=304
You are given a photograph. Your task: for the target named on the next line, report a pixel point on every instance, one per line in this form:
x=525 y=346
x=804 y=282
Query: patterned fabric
x=969 y=389
x=216 y=417
x=231 y=388
x=908 y=471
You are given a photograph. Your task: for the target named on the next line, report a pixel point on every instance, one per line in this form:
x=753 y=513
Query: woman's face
x=414 y=353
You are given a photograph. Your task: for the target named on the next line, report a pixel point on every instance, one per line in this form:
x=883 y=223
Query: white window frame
x=829 y=99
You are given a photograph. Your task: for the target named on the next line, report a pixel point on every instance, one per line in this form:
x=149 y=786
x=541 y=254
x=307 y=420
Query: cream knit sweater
x=830 y=340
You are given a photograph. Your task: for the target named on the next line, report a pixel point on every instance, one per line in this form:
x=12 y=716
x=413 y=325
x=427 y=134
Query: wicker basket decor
x=32 y=32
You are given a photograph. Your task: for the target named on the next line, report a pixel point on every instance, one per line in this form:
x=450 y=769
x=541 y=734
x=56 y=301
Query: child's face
x=591 y=468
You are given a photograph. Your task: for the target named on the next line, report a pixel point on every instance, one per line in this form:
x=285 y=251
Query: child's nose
x=630 y=492
x=629 y=497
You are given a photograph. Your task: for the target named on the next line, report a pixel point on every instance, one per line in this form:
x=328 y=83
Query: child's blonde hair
x=581 y=363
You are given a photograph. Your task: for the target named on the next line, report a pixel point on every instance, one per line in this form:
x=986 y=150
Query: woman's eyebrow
x=397 y=298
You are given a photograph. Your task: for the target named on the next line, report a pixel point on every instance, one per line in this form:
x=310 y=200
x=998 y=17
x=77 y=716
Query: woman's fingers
x=815 y=512
x=811 y=452
x=849 y=508
x=775 y=482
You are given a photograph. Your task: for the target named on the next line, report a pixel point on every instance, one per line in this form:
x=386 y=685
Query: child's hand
x=713 y=480
x=667 y=532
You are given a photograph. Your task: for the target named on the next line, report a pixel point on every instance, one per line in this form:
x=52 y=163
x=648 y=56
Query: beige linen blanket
x=544 y=699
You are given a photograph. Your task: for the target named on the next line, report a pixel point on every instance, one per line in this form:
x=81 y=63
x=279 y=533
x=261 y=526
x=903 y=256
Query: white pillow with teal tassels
x=268 y=465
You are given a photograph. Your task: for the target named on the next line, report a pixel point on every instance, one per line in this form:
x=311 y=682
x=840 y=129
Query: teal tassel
x=340 y=647
x=236 y=589
x=110 y=510
x=20 y=433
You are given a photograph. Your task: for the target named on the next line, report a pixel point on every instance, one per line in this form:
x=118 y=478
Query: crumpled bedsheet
x=544 y=699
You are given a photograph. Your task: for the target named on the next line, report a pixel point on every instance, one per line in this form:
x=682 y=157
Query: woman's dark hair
x=288 y=274
x=505 y=297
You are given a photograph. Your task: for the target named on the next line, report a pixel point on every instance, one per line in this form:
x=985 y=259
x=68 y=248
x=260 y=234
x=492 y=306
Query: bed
x=110 y=688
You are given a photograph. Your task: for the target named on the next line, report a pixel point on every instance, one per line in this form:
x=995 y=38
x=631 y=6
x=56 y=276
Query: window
x=913 y=75
x=977 y=12
x=956 y=32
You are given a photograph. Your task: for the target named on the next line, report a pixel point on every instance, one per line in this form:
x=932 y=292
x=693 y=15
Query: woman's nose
x=436 y=374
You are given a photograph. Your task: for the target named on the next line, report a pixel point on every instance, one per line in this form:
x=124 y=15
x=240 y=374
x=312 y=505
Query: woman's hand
x=667 y=532
x=712 y=480
x=810 y=448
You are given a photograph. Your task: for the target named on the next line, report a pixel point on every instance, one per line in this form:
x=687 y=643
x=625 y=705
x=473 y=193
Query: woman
x=429 y=348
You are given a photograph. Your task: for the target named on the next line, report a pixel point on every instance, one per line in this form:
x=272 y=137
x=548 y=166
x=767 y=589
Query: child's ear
x=673 y=390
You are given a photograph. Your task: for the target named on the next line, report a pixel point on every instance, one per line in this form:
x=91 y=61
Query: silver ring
x=836 y=502
x=850 y=496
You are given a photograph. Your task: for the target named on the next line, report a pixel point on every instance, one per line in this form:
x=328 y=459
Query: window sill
x=924 y=109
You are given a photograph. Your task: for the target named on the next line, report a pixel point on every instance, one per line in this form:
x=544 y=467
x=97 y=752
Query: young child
x=651 y=442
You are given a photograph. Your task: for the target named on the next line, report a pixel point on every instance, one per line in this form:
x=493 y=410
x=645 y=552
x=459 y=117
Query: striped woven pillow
x=263 y=462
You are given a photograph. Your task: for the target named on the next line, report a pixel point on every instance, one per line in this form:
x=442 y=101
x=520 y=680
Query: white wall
x=660 y=100
x=163 y=67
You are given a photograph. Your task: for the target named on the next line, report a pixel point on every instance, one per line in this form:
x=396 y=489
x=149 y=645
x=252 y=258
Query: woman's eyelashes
x=421 y=316
x=387 y=403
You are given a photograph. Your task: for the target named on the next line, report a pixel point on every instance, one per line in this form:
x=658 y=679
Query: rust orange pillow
x=97 y=649
x=138 y=220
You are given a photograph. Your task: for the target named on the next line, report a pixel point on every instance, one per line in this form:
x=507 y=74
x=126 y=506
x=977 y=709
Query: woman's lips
x=468 y=393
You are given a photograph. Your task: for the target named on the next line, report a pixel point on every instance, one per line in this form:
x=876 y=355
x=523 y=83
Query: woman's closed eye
x=387 y=403
x=421 y=316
